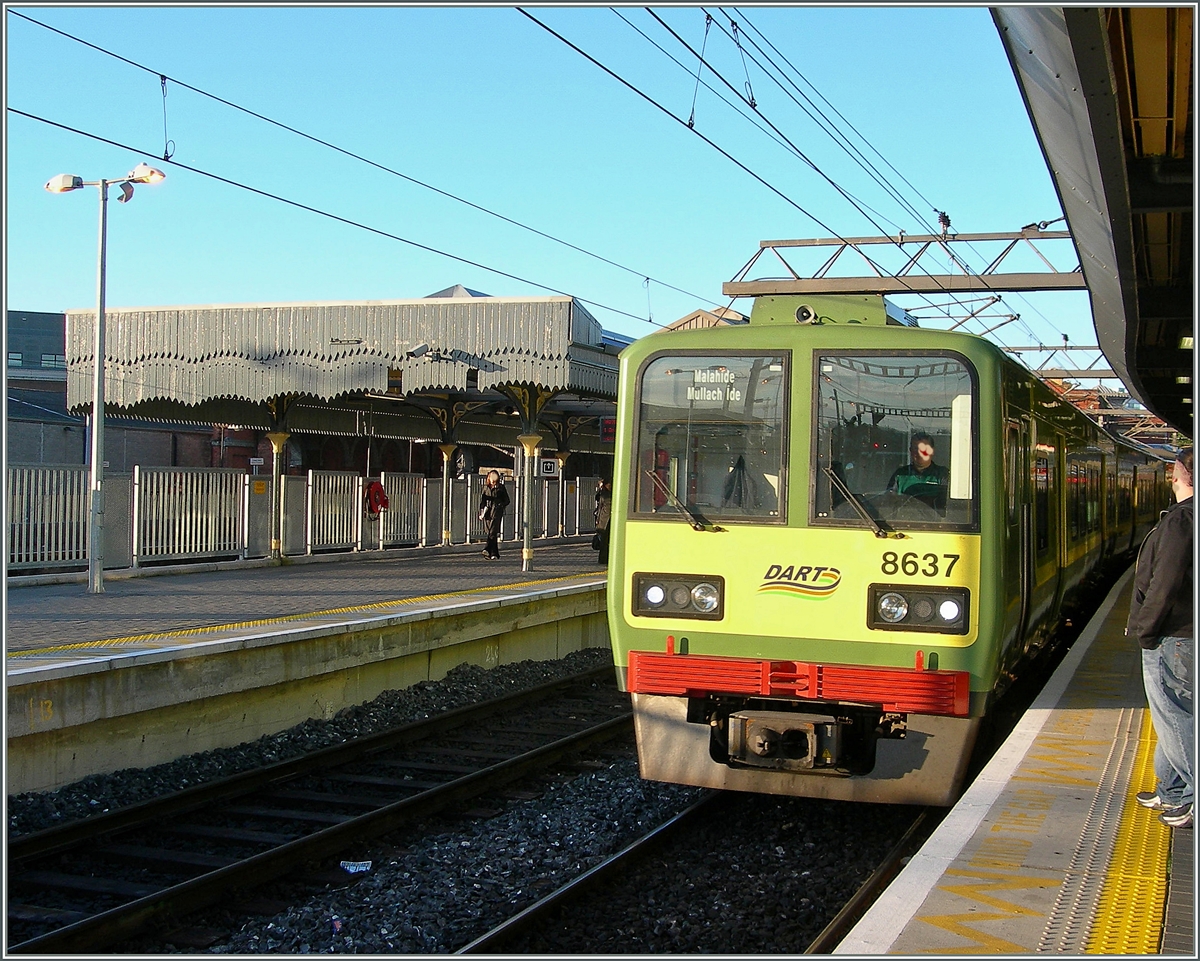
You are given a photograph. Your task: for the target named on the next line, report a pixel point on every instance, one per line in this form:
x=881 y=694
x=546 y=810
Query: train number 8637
x=911 y=564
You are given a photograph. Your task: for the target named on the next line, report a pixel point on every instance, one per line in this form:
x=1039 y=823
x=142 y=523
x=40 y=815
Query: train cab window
x=712 y=437
x=893 y=441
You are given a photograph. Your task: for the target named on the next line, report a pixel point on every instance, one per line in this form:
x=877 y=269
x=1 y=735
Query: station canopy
x=455 y=366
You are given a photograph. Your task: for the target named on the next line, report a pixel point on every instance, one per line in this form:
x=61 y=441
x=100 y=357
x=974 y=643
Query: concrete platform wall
x=145 y=709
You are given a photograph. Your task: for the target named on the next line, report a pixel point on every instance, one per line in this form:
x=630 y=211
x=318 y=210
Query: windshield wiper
x=698 y=522
x=846 y=492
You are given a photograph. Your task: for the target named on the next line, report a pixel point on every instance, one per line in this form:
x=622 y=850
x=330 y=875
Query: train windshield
x=893 y=441
x=711 y=436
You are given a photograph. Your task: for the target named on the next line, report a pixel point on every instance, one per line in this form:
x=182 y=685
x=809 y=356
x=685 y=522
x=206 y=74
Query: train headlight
x=892 y=607
x=917 y=607
x=700 y=596
x=949 y=610
x=705 y=597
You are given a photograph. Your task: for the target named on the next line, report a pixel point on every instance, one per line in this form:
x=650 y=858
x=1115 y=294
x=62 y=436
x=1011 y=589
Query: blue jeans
x=1167 y=674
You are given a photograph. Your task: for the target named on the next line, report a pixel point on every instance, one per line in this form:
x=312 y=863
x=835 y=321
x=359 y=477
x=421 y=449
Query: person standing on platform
x=494 y=500
x=603 y=516
x=1160 y=617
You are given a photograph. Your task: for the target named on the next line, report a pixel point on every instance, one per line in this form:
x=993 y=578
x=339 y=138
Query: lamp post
x=141 y=174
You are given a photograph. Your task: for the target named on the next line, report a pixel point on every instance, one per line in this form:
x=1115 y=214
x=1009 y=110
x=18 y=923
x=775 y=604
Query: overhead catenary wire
x=721 y=150
x=822 y=121
x=331 y=216
x=164 y=78
x=853 y=201
x=485 y=210
x=755 y=118
x=835 y=134
x=754 y=106
x=725 y=153
x=746 y=20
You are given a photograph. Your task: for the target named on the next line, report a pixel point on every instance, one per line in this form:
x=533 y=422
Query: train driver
x=922 y=478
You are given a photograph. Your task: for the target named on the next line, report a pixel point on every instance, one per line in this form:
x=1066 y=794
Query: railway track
x=519 y=933
x=94 y=883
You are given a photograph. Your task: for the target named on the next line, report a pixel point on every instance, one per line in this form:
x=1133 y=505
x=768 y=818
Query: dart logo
x=800 y=580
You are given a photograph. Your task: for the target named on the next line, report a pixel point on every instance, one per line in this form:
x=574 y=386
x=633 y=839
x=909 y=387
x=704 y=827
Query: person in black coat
x=1160 y=618
x=603 y=516
x=494 y=500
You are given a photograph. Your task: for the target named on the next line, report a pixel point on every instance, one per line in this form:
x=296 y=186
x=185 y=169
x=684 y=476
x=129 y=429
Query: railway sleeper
x=186 y=863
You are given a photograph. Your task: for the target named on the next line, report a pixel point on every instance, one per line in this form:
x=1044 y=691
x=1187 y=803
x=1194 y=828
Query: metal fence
x=47 y=516
x=333 y=512
x=182 y=514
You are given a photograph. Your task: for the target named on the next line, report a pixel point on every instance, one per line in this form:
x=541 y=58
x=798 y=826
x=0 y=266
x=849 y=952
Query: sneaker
x=1151 y=800
x=1178 y=817
x=486 y=554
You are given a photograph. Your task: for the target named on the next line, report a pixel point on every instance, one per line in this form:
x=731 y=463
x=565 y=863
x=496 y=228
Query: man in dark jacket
x=603 y=516
x=1160 y=617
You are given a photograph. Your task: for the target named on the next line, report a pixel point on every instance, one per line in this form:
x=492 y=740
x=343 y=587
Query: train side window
x=1012 y=439
x=1041 y=502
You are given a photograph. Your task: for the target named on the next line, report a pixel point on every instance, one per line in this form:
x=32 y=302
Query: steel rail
x=870 y=889
x=521 y=922
x=57 y=839
x=167 y=906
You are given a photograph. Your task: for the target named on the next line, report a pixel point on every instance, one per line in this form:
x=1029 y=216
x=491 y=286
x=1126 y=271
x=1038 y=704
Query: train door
x=1044 y=452
x=1021 y=437
x=1020 y=524
x=1058 y=490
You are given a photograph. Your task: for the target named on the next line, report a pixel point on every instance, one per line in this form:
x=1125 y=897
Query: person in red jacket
x=1160 y=617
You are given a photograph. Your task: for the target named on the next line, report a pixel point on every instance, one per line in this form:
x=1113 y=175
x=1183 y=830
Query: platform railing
x=333 y=510
x=195 y=514
x=182 y=512
x=47 y=516
x=400 y=524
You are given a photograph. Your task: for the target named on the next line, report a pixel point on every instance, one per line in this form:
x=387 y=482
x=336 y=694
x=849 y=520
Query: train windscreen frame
x=712 y=436
x=875 y=415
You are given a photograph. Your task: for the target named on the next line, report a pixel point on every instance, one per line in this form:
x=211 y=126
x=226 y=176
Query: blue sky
x=483 y=103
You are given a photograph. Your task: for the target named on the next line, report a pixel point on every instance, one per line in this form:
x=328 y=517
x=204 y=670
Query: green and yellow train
x=798 y=602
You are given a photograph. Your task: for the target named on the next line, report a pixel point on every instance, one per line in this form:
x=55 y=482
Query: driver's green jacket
x=929 y=484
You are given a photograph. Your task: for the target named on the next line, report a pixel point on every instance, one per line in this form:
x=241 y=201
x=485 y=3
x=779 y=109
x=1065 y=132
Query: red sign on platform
x=608 y=429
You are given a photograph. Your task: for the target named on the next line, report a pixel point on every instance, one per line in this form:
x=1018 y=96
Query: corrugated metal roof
x=258 y=351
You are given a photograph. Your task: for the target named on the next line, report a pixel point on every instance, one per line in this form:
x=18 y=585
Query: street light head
x=145 y=174
x=63 y=182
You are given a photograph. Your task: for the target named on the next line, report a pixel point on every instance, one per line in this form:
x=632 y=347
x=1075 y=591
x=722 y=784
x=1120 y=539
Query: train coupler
x=801 y=742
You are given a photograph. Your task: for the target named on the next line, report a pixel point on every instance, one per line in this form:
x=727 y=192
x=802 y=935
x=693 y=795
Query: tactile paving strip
x=1129 y=913
x=1069 y=920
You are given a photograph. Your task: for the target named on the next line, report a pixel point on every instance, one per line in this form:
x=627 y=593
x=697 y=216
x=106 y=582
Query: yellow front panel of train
x=793 y=584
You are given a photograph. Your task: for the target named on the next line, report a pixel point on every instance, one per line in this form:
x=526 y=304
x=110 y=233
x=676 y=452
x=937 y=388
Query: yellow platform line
x=1129 y=913
x=282 y=619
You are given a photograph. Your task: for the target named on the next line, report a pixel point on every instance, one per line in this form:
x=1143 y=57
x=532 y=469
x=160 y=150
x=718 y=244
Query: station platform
x=161 y=666
x=1048 y=851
